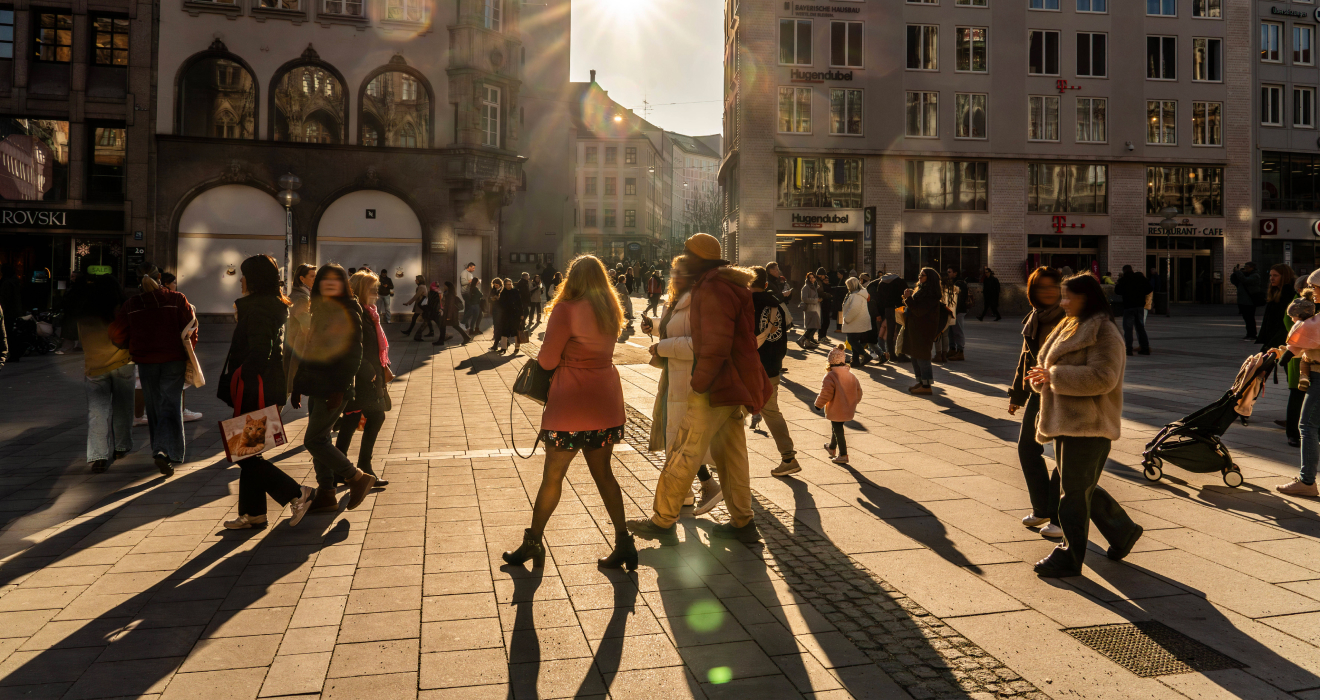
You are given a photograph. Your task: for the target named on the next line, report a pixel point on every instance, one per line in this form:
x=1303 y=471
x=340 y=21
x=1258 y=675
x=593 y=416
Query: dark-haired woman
x=472 y=300
x=109 y=371
x=1079 y=376
x=1274 y=325
x=509 y=324
x=300 y=316
x=371 y=397
x=922 y=323
x=1043 y=291
x=334 y=351
x=255 y=359
x=493 y=308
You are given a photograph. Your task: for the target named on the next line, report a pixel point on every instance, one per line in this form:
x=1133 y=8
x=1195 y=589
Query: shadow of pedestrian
x=608 y=657
x=524 y=643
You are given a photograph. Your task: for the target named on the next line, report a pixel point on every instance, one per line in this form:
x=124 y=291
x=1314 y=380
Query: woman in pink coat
x=584 y=409
x=840 y=393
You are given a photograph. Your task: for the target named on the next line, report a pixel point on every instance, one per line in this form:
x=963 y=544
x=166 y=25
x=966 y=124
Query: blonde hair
x=362 y=282
x=586 y=280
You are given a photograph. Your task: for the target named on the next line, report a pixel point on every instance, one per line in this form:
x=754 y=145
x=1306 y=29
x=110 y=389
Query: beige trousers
x=705 y=427
x=774 y=420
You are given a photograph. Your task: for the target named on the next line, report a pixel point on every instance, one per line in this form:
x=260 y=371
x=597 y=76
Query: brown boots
x=358 y=488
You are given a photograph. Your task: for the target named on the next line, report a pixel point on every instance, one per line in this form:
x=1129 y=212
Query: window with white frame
x=492 y=14
x=1270 y=34
x=490 y=116
x=846 y=44
x=1207 y=123
x=1043 y=118
x=1044 y=4
x=971 y=3
x=923 y=47
x=969 y=111
x=1207 y=60
x=1304 y=107
x=1303 y=45
x=1161 y=58
x=795 y=42
x=1092 y=55
x=350 y=8
x=923 y=2
x=1271 y=105
x=1210 y=9
x=1042 y=52
x=1162 y=8
x=1093 y=6
x=923 y=114
x=971 y=52
x=1092 y=120
x=794 y=110
x=1162 y=122
x=846 y=112
x=407 y=10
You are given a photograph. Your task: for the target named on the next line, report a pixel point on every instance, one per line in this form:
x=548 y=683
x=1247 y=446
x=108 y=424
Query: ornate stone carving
x=218 y=45
x=398 y=60
x=310 y=54
x=235 y=171
x=372 y=178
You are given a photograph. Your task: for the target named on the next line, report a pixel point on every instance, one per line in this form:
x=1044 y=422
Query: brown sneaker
x=921 y=390
x=1298 y=488
x=325 y=501
x=358 y=488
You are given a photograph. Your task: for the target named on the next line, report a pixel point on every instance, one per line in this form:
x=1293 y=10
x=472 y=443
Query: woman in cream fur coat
x=1080 y=382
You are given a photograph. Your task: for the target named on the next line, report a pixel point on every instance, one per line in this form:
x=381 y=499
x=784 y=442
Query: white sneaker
x=190 y=416
x=830 y=450
x=139 y=421
x=298 y=508
x=1033 y=521
x=1051 y=531
x=841 y=459
x=711 y=495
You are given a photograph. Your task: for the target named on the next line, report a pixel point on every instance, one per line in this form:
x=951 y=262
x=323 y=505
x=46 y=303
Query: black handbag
x=534 y=381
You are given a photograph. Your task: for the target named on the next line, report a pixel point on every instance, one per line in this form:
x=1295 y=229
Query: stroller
x=1193 y=443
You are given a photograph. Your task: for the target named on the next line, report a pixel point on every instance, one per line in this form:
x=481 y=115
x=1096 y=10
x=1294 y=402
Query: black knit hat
x=263 y=275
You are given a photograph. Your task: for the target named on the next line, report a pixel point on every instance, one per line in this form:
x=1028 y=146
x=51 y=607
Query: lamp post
x=1168 y=224
x=289 y=198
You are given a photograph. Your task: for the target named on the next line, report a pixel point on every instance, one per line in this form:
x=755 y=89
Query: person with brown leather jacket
x=728 y=381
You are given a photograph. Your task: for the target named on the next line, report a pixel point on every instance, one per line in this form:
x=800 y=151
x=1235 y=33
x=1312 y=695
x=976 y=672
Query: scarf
x=380 y=336
x=1041 y=318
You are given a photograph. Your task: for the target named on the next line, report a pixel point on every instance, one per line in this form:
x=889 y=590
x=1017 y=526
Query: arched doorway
x=373 y=228
x=219 y=229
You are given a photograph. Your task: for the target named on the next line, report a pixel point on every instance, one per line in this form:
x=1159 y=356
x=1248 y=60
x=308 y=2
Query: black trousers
x=891 y=332
x=348 y=424
x=444 y=331
x=857 y=341
x=1248 y=312
x=1294 y=417
x=1042 y=484
x=428 y=325
x=417 y=315
x=534 y=306
x=652 y=302
x=837 y=439
x=810 y=334
x=1081 y=461
x=257 y=479
x=991 y=307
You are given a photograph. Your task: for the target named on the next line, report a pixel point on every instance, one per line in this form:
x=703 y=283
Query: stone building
x=695 y=201
x=401 y=119
x=974 y=133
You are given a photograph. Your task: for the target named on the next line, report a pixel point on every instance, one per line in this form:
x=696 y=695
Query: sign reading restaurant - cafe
x=1153 y=229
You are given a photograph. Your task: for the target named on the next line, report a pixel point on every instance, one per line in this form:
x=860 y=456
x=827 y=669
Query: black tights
x=837 y=439
x=348 y=424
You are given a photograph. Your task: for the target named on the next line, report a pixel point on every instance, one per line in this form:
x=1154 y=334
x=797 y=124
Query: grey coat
x=809 y=302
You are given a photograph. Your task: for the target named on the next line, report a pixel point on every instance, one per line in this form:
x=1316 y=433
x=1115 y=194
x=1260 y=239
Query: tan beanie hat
x=704 y=246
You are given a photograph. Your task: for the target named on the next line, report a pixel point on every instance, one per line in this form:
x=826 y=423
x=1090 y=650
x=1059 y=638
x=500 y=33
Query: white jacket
x=856 y=317
x=676 y=348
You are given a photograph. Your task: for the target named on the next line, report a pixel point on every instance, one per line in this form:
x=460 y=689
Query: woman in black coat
x=1273 y=332
x=511 y=315
x=256 y=360
x=1044 y=290
x=922 y=323
x=371 y=399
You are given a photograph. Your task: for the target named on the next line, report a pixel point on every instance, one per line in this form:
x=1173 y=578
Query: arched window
x=396 y=111
x=217 y=97
x=304 y=95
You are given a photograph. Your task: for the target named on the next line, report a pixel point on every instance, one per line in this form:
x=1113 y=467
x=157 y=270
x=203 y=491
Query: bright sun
x=625 y=12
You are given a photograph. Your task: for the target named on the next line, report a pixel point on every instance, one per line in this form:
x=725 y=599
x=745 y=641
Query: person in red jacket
x=151 y=326
x=728 y=381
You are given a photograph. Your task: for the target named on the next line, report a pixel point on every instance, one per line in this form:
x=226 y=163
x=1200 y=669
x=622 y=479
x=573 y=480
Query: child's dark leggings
x=837 y=439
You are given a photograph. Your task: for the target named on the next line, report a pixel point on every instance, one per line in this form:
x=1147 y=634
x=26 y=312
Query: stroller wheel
x=1233 y=477
x=1152 y=472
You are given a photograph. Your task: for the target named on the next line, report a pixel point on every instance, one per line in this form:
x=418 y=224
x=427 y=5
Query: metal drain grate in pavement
x=1152 y=649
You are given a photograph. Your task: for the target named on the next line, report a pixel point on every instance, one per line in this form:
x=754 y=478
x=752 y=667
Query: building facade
x=977 y=133
x=76 y=86
x=401 y=118
x=696 y=201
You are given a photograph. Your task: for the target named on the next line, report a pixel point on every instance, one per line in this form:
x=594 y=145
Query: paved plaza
x=905 y=575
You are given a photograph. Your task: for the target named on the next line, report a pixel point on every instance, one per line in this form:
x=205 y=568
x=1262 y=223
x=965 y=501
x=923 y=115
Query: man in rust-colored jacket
x=728 y=380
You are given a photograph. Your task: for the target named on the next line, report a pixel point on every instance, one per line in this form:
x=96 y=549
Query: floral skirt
x=582 y=439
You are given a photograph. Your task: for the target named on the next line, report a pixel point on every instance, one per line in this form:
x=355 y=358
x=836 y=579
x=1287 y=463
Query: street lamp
x=1168 y=224
x=289 y=198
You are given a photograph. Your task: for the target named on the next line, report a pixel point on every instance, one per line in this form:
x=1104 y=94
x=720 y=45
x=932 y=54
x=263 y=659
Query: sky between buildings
x=663 y=51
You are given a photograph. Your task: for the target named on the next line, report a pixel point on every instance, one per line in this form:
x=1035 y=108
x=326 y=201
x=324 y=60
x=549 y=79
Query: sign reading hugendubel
x=807 y=220
x=820 y=76
x=61 y=219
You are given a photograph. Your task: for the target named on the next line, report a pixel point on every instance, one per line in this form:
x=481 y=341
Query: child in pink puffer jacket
x=840 y=392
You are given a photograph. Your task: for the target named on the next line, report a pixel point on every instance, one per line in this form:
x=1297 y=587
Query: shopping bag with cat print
x=252 y=433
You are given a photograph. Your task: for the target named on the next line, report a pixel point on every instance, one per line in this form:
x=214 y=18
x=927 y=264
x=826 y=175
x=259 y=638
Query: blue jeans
x=162 y=390
x=327 y=460
x=109 y=413
x=1309 y=429
x=1135 y=317
x=923 y=371
x=957 y=339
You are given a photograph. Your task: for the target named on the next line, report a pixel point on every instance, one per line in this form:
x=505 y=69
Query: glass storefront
x=799 y=253
x=963 y=252
x=44 y=264
x=1192 y=260
x=1302 y=255
x=1077 y=253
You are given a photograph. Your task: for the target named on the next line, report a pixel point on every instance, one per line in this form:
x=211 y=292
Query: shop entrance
x=800 y=253
x=1194 y=278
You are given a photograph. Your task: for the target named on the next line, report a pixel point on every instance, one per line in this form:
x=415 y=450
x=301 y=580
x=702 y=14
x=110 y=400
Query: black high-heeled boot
x=379 y=481
x=532 y=548
x=625 y=553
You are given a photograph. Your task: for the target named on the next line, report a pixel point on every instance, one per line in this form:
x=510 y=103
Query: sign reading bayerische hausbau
x=61 y=219
x=814 y=10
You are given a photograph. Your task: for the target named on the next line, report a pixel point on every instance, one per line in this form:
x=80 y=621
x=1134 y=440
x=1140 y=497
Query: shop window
x=820 y=183
x=1193 y=191
x=1288 y=181
x=105 y=181
x=1060 y=188
x=309 y=106
x=946 y=185
x=217 y=98
x=1075 y=252
x=36 y=160
x=964 y=253
x=398 y=107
